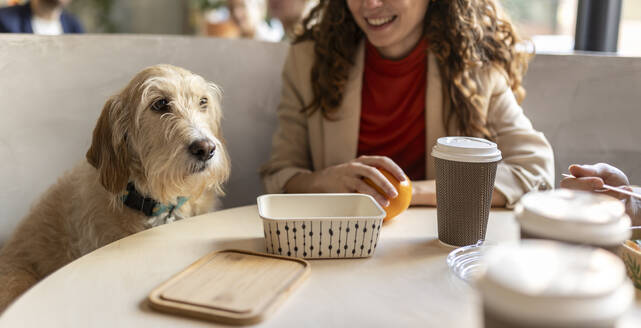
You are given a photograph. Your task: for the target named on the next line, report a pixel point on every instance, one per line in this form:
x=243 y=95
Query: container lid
x=540 y=281
x=466 y=149
x=231 y=286
x=574 y=216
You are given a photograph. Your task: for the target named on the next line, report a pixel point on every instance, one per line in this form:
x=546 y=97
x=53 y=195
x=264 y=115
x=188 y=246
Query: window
x=630 y=28
x=549 y=24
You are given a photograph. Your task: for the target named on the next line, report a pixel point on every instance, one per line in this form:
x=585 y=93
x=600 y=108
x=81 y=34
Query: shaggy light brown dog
x=158 y=140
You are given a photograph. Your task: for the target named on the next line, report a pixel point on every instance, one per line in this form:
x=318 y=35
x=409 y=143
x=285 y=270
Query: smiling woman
x=373 y=84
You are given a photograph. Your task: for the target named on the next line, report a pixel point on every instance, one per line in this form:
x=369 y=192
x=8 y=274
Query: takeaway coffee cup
x=542 y=283
x=571 y=216
x=465 y=172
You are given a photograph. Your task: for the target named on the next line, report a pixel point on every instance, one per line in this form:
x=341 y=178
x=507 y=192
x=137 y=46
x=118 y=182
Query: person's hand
x=349 y=177
x=593 y=177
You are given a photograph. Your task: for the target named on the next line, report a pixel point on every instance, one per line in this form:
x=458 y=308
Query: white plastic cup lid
x=539 y=280
x=466 y=149
x=574 y=216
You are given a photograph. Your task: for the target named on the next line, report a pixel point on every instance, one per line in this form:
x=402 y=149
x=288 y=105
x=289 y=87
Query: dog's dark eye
x=203 y=101
x=161 y=105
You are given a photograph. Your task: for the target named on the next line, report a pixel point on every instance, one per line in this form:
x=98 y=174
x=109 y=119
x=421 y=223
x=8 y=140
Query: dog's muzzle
x=202 y=149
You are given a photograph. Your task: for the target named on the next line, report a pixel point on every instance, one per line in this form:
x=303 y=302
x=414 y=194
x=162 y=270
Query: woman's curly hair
x=466 y=36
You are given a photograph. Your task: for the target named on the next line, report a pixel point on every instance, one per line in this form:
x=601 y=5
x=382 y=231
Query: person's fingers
x=588 y=183
x=566 y=183
x=374 y=175
x=386 y=163
x=362 y=187
x=583 y=170
x=610 y=174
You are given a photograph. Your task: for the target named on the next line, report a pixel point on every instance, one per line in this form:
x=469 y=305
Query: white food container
x=315 y=226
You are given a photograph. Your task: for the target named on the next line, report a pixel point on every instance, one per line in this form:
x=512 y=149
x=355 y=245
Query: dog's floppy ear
x=108 y=152
x=216 y=93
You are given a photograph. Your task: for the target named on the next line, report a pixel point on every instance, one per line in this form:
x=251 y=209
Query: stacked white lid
x=466 y=149
x=541 y=282
x=574 y=216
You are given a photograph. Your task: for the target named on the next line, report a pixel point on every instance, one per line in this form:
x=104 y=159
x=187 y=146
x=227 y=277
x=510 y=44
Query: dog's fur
x=132 y=142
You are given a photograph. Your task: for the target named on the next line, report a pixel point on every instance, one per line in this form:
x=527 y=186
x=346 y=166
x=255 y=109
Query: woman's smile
x=380 y=22
x=393 y=27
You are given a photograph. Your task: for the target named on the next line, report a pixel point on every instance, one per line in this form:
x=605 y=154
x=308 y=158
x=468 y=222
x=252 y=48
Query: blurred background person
x=266 y=20
x=250 y=18
x=240 y=19
x=218 y=23
x=593 y=177
x=46 y=17
x=243 y=14
x=285 y=15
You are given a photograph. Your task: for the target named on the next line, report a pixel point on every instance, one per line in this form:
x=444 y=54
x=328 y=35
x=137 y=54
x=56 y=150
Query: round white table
x=405 y=283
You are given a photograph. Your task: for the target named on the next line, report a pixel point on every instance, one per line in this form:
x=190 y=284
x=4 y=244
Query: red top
x=393 y=109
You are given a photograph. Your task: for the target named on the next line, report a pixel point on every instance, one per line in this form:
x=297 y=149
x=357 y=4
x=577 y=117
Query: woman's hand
x=349 y=177
x=593 y=177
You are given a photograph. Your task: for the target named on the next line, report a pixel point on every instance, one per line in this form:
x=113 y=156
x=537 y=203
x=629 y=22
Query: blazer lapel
x=341 y=135
x=434 y=112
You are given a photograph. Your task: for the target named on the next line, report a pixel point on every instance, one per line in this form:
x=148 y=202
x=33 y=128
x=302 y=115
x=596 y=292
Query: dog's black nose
x=202 y=149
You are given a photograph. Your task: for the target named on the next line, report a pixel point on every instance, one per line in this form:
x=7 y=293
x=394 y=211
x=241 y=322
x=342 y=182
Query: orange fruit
x=402 y=201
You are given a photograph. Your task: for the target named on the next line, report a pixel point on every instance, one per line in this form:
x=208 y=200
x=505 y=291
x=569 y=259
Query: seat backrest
x=53 y=88
x=589 y=108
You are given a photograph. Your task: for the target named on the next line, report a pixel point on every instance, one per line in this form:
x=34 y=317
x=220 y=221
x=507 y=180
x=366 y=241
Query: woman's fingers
x=360 y=186
x=376 y=177
x=386 y=163
x=350 y=177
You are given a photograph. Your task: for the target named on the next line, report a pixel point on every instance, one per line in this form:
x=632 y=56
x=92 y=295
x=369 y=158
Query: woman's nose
x=370 y=4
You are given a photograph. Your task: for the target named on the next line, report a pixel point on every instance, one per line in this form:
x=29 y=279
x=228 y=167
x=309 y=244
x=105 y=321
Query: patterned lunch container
x=320 y=226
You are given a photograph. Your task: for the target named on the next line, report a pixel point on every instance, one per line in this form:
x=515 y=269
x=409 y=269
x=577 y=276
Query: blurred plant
x=208 y=4
x=98 y=13
x=103 y=8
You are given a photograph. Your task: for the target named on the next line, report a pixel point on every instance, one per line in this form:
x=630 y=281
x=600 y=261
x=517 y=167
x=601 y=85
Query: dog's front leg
x=14 y=281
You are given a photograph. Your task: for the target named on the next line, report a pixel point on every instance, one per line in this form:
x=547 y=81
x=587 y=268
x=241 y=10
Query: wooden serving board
x=231 y=286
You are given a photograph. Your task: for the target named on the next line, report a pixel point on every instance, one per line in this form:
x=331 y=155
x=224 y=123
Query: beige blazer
x=304 y=143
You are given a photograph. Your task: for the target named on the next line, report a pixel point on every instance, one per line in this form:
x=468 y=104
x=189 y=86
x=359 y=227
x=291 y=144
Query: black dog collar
x=149 y=206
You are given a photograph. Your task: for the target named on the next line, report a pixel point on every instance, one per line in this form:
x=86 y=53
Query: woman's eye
x=161 y=105
x=203 y=101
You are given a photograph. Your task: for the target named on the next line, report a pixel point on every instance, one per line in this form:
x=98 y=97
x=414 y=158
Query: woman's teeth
x=379 y=21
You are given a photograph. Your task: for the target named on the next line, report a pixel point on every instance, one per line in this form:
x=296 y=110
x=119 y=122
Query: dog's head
x=162 y=132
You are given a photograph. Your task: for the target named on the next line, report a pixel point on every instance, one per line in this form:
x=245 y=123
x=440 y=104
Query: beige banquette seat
x=52 y=90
